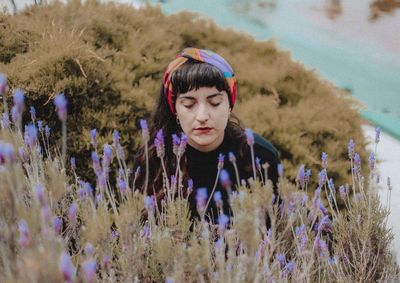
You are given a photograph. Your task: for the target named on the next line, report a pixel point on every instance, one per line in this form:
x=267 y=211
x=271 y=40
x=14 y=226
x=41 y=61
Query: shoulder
x=265 y=148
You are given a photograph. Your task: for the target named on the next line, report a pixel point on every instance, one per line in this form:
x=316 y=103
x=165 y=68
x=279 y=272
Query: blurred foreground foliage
x=109 y=59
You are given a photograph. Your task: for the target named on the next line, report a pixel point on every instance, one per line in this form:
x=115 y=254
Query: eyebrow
x=193 y=98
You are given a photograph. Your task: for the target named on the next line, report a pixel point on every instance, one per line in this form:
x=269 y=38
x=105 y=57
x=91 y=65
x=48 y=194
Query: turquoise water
x=371 y=73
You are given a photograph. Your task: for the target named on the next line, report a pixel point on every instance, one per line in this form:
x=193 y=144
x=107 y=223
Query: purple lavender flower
x=175 y=144
x=96 y=162
x=66 y=267
x=221 y=158
x=5 y=121
x=201 y=199
x=377 y=134
x=301 y=177
x=173 y=181
x=322 y=178
x=3 y=84
x=301 y=235
x=280 y=170
x=331 y=186
x=57 y=225
x=218 y=199
x=39 y=193
x=72 y=212
x=106 y=262
x=249 y=136
x=108 y=153
x=232 y=157
x=19 y=100
x=324 y=159
x=372 y=161
x=47 y=131
x=351 y=146
x=289 y=268
x=122 y=185
x=81 y=193
x=145 y=129
x=357 y=163
x=146 y=233
x=40 y=125
x=320 y=247
x=33 y=113
x=31 y=136
x=223 y=221
x=258 y=163
x=89 y=249
x=281 y=259
x=15 y=115
x=88 y=189
x=73 y=163
x=61 y=106
x=190 y=186
x=324 y=225
x=159 y=144
x=89 y=268
x=183 y=144
x=149 y=204
x=225 y=179
x=342 y=193
x=24 y=237
x=7 y=153
x=115 y=138
x=93 y=138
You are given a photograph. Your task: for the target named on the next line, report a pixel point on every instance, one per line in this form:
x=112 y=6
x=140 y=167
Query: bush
x=109 y=60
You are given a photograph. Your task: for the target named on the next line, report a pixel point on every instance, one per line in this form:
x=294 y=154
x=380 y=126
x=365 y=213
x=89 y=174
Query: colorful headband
x=201 y=55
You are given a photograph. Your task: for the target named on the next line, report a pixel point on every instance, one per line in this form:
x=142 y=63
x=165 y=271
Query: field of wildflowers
x=56 y=226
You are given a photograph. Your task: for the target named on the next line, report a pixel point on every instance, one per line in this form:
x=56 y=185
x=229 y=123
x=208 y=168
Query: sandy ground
x=388 y=155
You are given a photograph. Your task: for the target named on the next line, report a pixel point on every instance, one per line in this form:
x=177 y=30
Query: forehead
x=202 y=92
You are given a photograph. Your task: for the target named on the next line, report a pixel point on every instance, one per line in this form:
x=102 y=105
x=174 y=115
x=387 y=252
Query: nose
x=202 y=114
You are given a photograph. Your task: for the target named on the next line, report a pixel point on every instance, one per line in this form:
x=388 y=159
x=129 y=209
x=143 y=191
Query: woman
x=196 y=98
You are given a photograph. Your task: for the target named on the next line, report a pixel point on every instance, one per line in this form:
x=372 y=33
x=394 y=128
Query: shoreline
x=388 y=165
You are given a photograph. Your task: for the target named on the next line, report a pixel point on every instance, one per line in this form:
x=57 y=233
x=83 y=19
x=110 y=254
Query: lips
x=203 y=130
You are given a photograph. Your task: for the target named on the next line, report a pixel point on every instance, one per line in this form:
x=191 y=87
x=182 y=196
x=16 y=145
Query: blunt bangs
x=194 y=75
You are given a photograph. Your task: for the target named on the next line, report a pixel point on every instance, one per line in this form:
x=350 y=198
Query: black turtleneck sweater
x=202 y=169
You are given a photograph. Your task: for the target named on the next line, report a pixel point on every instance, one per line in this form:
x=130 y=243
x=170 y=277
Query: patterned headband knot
x=200 y=55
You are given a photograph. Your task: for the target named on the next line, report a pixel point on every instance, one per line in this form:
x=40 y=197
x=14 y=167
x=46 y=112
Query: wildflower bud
x=218 y=199
x=159 y=144
x=57 y=225
x=175 y=144
x=182 y=145
x=101 y=181
x=33 y=114
x=223 y=221
x=73 y=212
x=149 y=204
x=281 y=259
x=258 y=163
x=3 y=84
x=331 y=186
x=19 y=100
x=301 y=177
x=99 y=198
x=122 y=185
x=320 y=247
x=145 y=130
x=372 y=161
x=93 y=138
x=31 y=136
x=40 y=125
x=47 y=131
x=357 y=164
x=39 y=193
x=324 y=159
x=232 y=157
x=73 y=163
x=289 y=268
x=201 y=199
x=61 y=106
x=301 y=236
x=24 y=237
x=351 y=149
x=225 y=179
x=5 y=122
x=89 y=249
x=221 y=158
x=249 y=136
x=66 y=267
x=22 y=154
x=280 y=170
x=322 y=178
x=88 y=189
x=190 y=186
x=7 y=153
x=342 y=192
x=173 y=182
x=108 y=153
x=15 y=115
x=115 y=138
x=145 y=233
x=96 y=162
x=106 y=262
x=377 y=134
x=81 y=193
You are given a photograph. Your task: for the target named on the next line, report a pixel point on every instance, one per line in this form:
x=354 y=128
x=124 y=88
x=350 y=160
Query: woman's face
x=203 y=115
